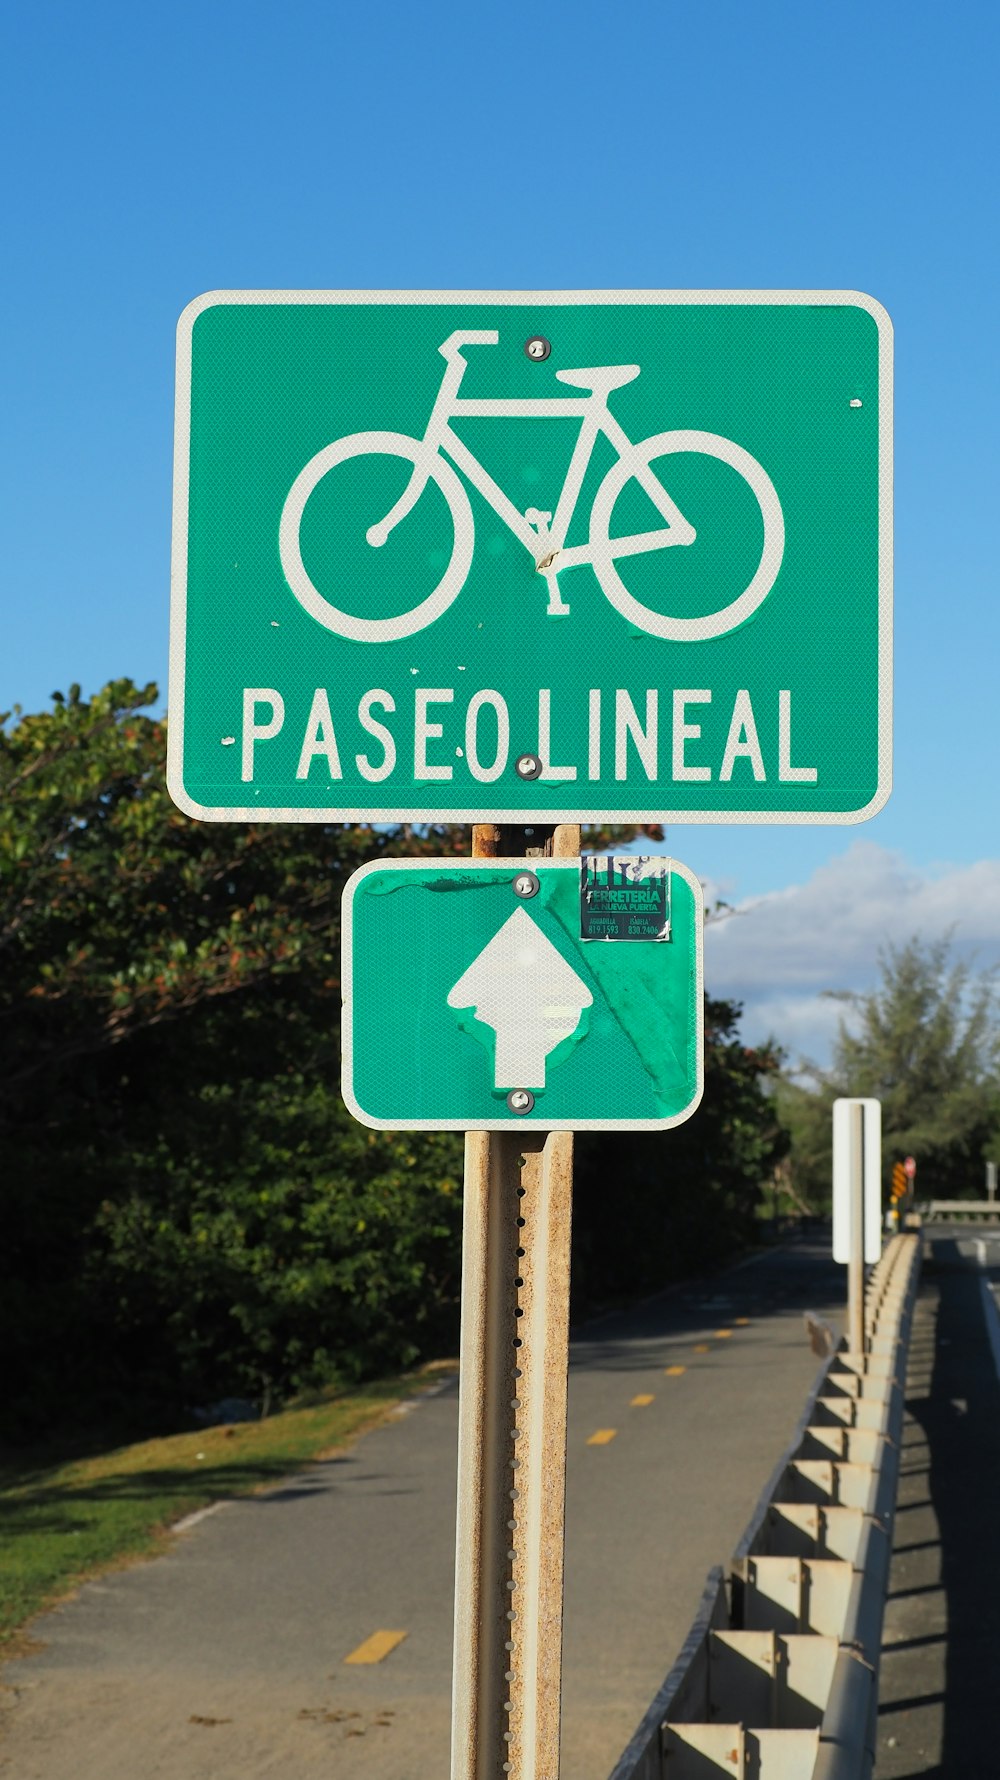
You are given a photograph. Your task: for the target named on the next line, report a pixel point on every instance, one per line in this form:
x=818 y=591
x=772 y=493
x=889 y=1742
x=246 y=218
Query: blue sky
x=155 y=153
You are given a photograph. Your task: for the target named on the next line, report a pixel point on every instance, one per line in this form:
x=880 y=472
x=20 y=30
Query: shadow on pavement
x=959 y=1417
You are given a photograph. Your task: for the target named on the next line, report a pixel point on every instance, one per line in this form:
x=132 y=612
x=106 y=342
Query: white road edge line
x=191 y=1520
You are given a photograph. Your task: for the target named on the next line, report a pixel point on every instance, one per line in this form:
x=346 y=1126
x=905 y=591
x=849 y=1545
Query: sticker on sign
x=625 y=896
x=640 y=538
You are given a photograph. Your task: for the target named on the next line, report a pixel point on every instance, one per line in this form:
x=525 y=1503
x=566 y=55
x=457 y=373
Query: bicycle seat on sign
x=600 y=378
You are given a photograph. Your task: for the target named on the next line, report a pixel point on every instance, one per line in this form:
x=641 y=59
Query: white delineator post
x=857 y=1193
x=856 y=1262
x=512 y=1435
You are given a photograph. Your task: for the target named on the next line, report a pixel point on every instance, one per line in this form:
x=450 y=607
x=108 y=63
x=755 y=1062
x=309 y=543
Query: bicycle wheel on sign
x=374 y=518
x=733 y=536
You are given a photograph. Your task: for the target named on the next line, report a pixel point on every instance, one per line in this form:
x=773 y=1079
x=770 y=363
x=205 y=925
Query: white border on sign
x=482 y=813
x=512 y=1124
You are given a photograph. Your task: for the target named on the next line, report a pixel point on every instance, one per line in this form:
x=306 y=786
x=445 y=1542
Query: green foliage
x=118 y=913
x=925 y=1042
x=188 y=1211
x=270 y=1243
x=661 y=1205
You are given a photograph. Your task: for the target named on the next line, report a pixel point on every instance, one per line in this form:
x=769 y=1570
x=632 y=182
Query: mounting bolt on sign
x=528 y=766
x=520 y=1101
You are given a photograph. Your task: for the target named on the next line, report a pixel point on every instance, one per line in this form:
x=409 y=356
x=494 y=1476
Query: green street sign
x=560 y=994
x=532 y=556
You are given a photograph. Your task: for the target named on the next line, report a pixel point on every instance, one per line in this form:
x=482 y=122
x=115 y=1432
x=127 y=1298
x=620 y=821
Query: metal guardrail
x=973 y=1211
x=778 y=1677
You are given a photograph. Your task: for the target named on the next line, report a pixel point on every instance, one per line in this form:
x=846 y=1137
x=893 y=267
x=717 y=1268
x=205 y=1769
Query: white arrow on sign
x=522 y=986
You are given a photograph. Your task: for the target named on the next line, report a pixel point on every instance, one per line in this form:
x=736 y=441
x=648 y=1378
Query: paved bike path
x=225 y=1658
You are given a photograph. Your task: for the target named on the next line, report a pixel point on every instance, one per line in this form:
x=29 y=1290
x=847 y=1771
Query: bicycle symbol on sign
x=542 y=534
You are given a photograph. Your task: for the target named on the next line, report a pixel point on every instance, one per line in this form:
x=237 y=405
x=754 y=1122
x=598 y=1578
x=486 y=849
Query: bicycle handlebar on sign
x=451 y=348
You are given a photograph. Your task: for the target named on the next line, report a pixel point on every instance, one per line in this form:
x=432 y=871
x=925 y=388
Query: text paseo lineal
x=442 y=733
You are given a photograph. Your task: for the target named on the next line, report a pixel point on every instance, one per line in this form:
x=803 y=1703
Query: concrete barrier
x=778 y=1677
x=960 y=1211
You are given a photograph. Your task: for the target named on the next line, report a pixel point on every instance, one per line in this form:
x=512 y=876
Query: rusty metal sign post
x=512 y=1431
x=422 y=943
x=540 y=943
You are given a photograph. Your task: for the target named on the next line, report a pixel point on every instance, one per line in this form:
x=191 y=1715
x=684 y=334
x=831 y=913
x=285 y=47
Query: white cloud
x=781 y=951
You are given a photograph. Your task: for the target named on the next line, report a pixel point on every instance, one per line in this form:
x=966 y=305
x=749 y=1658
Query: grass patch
x=61 y=1523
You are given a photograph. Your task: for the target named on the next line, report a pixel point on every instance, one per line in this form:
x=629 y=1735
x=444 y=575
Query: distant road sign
x=515 y=556
x=899 y=1180
x=473 y=999
x=910 y=1165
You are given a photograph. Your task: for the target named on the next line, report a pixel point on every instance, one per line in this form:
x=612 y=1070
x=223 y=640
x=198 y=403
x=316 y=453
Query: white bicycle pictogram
x=542 y=534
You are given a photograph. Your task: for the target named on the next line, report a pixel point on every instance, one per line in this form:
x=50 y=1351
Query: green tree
x=187 y=1209
x=925 y=1042
x=269 y=1243
x=184 y=1209
x=658 y=1205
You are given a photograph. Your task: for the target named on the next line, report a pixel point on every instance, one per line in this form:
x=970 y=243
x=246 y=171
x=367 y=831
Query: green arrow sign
x=473 y=1000
x=507 y=556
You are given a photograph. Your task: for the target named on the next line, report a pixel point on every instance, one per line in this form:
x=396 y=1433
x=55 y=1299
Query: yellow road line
x=640 y=1402
x=741 y=1322
x=674 y=1371
x=703 y=1348
x=376 y=1647
x=723 y=1334
x=602 y=1436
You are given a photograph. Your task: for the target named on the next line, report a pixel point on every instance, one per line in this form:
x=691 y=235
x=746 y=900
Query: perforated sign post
x=490 y=994
x=532 y=556
x=522 y=999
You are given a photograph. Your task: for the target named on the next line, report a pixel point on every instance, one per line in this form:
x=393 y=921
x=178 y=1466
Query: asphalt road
x=225 y=1659
x=941 y=1636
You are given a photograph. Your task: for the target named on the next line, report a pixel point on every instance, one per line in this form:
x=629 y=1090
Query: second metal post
x=856 y=1262
x=512 y=1439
